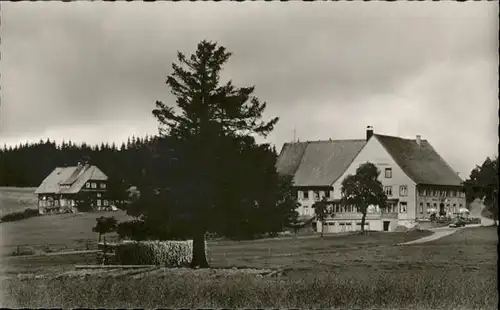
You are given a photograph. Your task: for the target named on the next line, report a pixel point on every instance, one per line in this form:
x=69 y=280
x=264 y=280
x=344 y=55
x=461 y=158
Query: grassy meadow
x=347 y=271
x=456 y=272
x=15 y=199
x=47 y=233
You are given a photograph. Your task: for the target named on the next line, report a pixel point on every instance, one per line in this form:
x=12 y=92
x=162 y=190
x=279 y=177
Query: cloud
x=93 y=71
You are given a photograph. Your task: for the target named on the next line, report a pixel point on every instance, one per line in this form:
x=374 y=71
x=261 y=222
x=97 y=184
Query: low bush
x=132 y=230
x=165 y=253
x=146 y=229
x=17 y=216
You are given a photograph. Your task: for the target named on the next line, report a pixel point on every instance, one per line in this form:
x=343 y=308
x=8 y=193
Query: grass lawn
x=53 y=232
x=456 y=272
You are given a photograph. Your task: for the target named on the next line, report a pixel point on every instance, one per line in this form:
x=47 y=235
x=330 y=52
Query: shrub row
x=472 y=220
x=165 y=253
x=17 y=216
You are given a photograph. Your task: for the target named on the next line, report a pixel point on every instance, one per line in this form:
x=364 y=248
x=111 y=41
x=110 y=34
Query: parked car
x=458 y=223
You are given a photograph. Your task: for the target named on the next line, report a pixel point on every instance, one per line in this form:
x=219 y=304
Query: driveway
x=476 y=209
x=438 y=233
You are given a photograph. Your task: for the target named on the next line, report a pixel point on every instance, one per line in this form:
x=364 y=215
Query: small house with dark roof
x=417 y=180
x=67 y=187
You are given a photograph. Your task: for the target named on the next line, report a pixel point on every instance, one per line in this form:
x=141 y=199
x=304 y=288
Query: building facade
x=416 y=180
x=67 y=188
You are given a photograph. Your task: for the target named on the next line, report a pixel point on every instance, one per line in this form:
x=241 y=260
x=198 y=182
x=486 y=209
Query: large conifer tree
x=209 y=173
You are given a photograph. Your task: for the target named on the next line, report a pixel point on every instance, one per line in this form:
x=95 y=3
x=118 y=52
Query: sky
x=93 y=71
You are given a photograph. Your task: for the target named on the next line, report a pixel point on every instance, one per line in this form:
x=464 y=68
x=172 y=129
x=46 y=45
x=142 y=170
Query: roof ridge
x=325 y=141
x=396 y=137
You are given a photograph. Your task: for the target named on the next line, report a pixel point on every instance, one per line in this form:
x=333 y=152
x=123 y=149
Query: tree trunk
x=99 y=238
x=363 y=220
x=199 y=256
x=322 y=228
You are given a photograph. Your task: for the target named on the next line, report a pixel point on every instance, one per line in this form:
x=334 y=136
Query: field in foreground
x=53 y=232
x=456 y=272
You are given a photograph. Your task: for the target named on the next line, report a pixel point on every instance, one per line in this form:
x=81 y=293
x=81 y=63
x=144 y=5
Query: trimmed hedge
x=17 y=216
x=165 y=253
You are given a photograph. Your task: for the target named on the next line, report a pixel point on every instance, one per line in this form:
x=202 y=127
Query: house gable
x=69 y=180
x=375 y=153
x=420 y=161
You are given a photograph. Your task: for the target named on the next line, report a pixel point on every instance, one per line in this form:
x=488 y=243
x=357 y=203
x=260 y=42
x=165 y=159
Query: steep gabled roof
x=75 y=177
x=420 y=162
x=289 y=159
x=318 y=163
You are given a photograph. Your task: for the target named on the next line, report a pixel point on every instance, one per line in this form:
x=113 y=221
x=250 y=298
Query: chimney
x=419 y=139
x=369 y=132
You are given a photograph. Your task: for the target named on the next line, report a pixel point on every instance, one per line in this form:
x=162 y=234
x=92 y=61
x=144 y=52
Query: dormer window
x=94 y=185
x=87 y=185
x=103 y=185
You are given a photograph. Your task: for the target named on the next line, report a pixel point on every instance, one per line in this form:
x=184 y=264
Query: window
x=98 y=202
x=87 y=185
x=455 y=208
x=442 y=193
x=403 y=207
x=428 y=206
x=94 y=185
x=306 y=194
x=103 y=185
x=316 y=195
x=393 y=208
x=452 y=193
x=421 y=207
x=435 y=193
x=403 y=190
x=327 y=194
x=337 y=208
x=388 y=191
x=98 y=194
x=388 y=173
x=422 y=192
x=105 y=202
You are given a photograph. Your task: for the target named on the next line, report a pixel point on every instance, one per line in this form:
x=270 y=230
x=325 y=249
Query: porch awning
x=391 y=200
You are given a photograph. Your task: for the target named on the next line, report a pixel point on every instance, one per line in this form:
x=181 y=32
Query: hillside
x=476 y=210
x=14 y=199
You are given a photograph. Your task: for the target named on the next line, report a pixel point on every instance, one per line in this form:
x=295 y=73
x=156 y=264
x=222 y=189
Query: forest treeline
x=26 y=165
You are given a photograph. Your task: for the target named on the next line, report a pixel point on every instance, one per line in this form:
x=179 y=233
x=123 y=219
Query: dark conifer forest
x=26 y=165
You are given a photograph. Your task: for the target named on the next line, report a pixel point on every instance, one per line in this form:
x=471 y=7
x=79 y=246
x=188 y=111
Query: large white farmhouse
x=417 y=181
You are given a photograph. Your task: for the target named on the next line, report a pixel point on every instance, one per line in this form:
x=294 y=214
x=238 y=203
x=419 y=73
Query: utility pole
x=294 y=134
